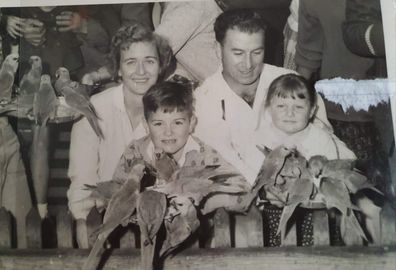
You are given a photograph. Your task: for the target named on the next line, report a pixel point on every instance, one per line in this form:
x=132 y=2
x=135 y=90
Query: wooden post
x=351 y=238
x=64 y=229
x=388 y=226
x=6 y=229
x=249 y=229
x=33 y=229
x=222 y=233
x=291 y=235
x=94 y=220
x=81 y=233
x=321 y=228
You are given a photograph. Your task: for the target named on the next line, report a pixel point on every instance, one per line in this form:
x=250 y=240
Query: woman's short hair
x=127 y=35
x=291 y=85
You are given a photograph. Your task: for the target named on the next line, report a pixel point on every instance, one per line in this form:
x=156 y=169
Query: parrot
x=77 y=100
x=199 y=182
x=62 y=76
x=341 y=169
x=300 y=191
x=337 y=196
x=30 y=82
x=104 y=190
x=165 y=166
x=151 y=209
x=269 y=171
x=121 y=207
x=45 y=102
x=7 y=76
x=179 y=226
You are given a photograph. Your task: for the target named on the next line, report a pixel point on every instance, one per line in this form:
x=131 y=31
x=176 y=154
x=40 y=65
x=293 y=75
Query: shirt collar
x=190 y=145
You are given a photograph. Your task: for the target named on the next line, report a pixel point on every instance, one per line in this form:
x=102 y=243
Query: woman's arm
x=83 y=168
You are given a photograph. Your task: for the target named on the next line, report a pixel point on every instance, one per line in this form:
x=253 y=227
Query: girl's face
x=139 y=67
x=289 y=114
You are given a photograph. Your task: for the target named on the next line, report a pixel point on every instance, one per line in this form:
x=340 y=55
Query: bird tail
x=93 y=120
x=95 y=255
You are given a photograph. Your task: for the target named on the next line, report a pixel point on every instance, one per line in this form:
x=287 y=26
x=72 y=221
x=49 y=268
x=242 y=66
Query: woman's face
x=139 y=67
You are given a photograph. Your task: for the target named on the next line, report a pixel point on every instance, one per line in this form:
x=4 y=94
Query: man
x=229 y=103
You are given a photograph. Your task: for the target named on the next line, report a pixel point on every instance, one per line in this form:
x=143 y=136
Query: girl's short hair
x=291 y=85
x=127 y=35
x=168 y=96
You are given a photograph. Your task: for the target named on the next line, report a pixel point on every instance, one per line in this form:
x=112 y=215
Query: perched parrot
x=341 y=169
x=269 y=171
x=181 y=221
x=30 y=82
x=103 y=191
x=199 y=182
x=300 y=191
x=45 y=102
x=121 y=207
x=62 y=76
x=77 y=100
x=165 y=166
x=7 y=76
x=151 y=209
x=337 y=195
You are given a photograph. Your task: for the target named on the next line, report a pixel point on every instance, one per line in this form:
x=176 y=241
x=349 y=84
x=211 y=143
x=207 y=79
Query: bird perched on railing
x=77 y=98
x=121 y=207
x=30 y=82
x=45 y=102
x=7 y=76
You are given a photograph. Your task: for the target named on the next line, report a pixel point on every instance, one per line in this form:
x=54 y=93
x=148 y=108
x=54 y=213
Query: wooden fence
x=226 y=241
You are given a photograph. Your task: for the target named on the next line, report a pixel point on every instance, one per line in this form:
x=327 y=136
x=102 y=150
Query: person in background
x=188 y=27
x=320 y=48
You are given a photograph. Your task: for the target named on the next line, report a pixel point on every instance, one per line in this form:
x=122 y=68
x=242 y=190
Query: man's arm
x=309 y=43
x=362 y=29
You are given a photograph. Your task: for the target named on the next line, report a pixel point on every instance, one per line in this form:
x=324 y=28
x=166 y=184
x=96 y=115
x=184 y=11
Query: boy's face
x=289 y=114
x=169 y=131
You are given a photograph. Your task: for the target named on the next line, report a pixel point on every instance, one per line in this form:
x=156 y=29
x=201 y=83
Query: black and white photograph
x=197 y=134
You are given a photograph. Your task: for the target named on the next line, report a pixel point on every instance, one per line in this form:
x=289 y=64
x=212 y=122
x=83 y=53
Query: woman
x=140 y=58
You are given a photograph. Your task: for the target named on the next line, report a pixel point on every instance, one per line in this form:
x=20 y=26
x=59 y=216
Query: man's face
x=289 y=114
x=139 y=67
x=242 y=57
x=169 y=131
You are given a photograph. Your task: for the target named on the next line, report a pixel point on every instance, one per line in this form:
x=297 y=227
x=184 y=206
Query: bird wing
x=6 y=83
x=181 y=226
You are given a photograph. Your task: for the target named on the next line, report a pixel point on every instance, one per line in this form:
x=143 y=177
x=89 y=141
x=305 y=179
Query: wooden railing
x=228 y=241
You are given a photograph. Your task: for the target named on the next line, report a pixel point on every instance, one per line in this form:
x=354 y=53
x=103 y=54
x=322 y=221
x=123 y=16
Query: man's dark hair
x=168 y=96
x=244 y=20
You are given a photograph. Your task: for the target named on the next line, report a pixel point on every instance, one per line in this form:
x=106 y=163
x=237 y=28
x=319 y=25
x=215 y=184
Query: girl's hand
x=15 y=26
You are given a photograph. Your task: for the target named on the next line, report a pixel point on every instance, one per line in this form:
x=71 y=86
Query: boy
x=170 y=121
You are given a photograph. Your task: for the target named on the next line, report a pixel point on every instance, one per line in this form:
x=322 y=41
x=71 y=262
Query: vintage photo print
x=215 y=134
